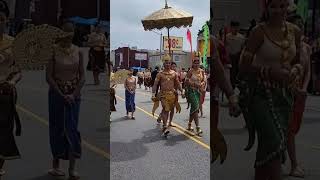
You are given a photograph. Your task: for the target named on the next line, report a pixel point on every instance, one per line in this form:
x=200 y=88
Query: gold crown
x=166 y=57
x=196 y=54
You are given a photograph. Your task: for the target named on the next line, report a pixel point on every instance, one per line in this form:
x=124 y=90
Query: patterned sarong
x=130 y=104
x=63 y=126
x=267 y=113
x=193 y=97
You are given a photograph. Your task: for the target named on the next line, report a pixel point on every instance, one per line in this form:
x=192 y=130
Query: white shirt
x=234 y=43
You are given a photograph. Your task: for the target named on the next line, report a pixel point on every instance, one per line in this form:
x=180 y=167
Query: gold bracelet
x=233 y=99
x=248 y=54
x=262 y=73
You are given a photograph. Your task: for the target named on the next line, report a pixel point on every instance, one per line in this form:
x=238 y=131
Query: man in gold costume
x=169 y=84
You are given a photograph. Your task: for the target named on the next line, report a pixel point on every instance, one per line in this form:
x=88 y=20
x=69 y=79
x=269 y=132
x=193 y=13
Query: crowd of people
x=165 y=85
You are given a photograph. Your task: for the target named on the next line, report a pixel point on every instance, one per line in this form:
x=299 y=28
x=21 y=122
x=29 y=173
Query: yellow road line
x=178 y=128
x=315 y=147
x=86 y=144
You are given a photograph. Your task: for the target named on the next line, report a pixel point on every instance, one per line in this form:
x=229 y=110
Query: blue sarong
x=65 y=138
x=130 y=105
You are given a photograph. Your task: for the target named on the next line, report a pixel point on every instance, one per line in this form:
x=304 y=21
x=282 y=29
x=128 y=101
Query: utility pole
x=98 y=9
x=314 y=8
x=59 y=11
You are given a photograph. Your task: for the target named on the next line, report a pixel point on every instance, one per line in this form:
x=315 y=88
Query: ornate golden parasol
x=167 y=17
x=120 y=76
x=33 y=47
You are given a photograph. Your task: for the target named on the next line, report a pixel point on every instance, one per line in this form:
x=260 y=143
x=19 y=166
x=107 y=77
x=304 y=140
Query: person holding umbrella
x=65 y=76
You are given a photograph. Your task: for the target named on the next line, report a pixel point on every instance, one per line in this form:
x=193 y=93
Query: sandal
x=2 y=172
x=165 y=131
x=56 y=172
x=73 y=175
x=297 y=172
x=199 y=131
x=159 y=120
x=189 y=128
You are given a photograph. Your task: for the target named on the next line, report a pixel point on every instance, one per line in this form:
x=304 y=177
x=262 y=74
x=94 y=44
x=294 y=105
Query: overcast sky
x=126 y=27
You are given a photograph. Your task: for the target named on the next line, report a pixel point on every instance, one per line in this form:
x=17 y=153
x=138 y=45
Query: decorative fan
x=33 y=47
x=120 y=76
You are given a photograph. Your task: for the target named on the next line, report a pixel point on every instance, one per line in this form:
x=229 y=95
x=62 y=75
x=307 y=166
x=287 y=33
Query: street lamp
x=160 y=41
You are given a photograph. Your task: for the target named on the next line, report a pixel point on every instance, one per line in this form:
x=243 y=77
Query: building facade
x=126 y=58
x=182 y=59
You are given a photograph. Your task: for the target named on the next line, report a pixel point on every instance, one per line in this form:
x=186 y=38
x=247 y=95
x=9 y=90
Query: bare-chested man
x=169 y=84
x=147 y=79
x=140 y=75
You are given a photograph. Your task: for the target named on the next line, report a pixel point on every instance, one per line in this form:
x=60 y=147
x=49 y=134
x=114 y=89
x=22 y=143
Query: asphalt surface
x=139 y=151
x=34 y=142
x=240 y=162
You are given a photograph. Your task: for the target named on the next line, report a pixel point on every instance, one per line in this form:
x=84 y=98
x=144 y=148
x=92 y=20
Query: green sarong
x=267 y=113
x=193 y=97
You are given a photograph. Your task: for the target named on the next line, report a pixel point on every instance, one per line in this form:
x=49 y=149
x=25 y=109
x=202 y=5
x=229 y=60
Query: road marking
x=315 y=147
x=178 y=128
x=85 y=143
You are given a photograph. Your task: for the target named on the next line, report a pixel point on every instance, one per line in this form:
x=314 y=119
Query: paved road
x=140 y=153
x=241 y=162
x=34 y=142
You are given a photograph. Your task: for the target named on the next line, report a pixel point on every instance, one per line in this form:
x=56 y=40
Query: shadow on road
x=137 y=149
x=120 y=120
x=173 y=140
x=127 y=151
x=47 y=177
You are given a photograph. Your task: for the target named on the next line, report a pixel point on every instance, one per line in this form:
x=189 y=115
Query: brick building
x=125 y=56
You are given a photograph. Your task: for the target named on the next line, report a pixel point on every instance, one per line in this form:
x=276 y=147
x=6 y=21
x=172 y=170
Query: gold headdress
x=196 y=56
x=166 y=57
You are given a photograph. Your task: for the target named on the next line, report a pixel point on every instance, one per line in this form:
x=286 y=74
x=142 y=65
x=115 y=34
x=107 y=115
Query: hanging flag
x=303 y=8
x=189 y=38
x=206 y=33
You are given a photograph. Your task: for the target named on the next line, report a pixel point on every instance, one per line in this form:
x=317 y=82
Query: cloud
x=126 y=27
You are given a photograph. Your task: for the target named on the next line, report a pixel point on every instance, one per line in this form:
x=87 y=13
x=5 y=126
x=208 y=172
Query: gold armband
x=248 y=54
x=233 y=99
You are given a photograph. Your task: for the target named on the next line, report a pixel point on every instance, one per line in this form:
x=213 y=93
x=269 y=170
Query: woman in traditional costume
x=299 y=102
x=147 y=79
x=97 y=55
x=130 y=86
x=9 y=76
x=269 y=71
x=65 y=76
x=195 y=83
x=203 y=94
x=140 y=75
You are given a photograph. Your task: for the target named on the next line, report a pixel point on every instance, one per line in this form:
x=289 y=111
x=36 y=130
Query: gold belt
x=67 y=87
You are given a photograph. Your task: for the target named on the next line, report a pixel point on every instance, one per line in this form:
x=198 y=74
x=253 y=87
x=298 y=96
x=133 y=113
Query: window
x=176 y=59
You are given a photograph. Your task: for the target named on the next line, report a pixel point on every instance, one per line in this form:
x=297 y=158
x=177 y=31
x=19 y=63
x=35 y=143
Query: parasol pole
x=169 y=42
